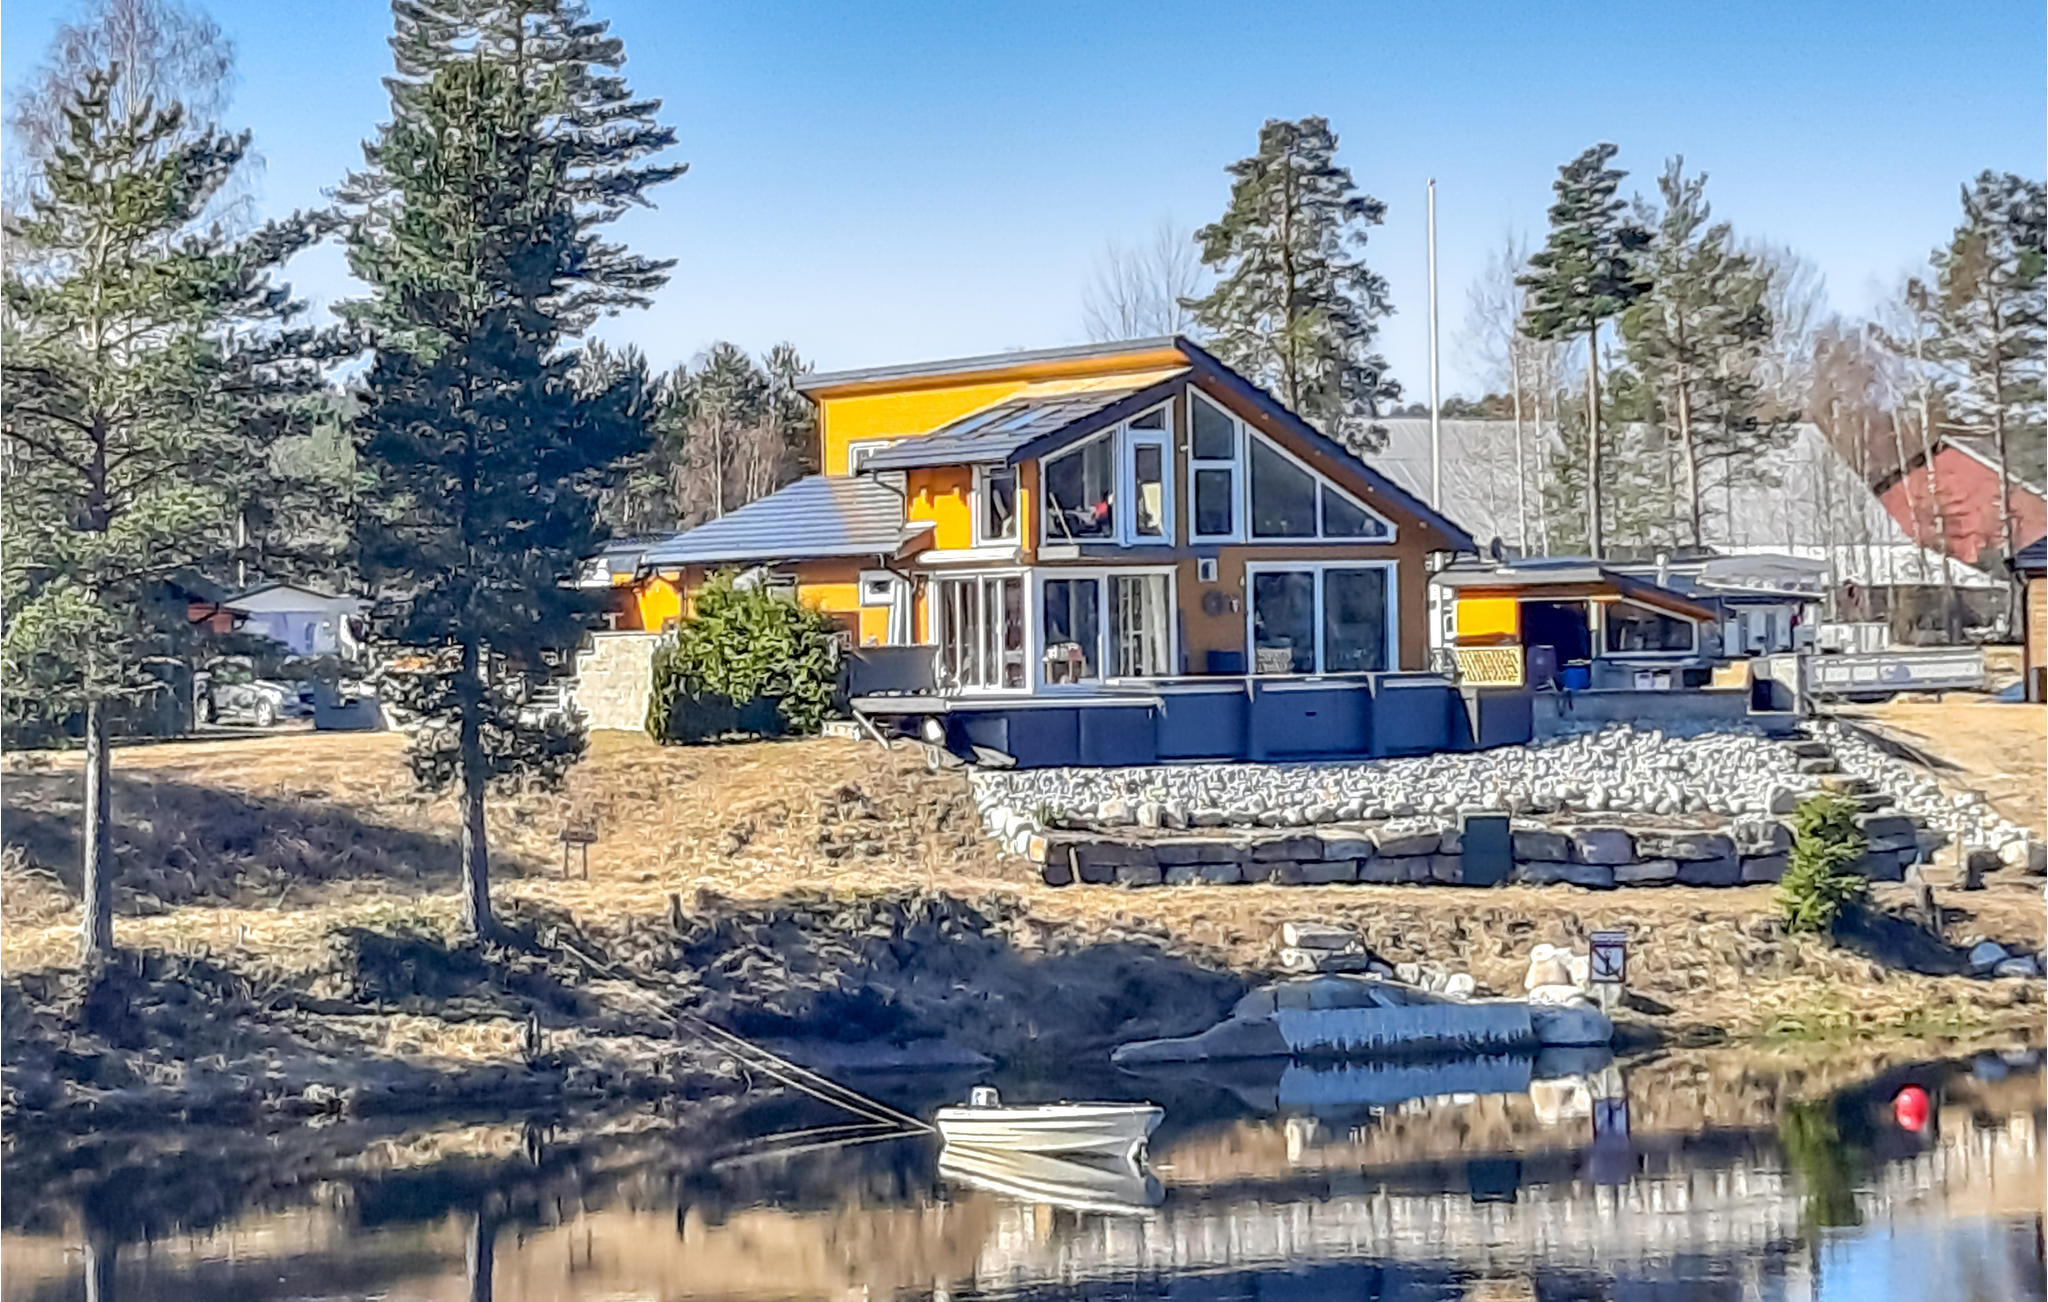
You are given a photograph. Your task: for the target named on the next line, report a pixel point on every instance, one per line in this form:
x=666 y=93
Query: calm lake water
x=1688 y=1175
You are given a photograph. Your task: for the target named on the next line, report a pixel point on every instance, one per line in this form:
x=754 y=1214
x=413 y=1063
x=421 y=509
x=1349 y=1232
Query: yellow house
x=1111 y=521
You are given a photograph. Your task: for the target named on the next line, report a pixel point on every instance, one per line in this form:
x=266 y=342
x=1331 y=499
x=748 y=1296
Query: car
x=230 y=692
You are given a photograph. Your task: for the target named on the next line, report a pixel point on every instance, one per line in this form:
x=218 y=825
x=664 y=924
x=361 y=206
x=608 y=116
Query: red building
x=1966 y=471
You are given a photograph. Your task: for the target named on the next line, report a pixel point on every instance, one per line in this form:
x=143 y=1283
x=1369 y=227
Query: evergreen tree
x=1698 y=339
x=1585 y=274
x=1294 y=307
x=1989 y=326
x=637 y=503
x=791 y=419
x=476 y=222
x=149 y=367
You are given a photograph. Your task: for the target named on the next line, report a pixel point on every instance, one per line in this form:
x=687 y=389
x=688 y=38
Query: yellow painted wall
x=831 y=586
x=1488 y=618
x=943 y=496
x=657 y=600
x=860 y=417
x=893 y=409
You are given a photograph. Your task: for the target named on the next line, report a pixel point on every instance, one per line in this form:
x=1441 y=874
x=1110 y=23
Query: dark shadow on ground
x=1898 y=941
x=179 y=843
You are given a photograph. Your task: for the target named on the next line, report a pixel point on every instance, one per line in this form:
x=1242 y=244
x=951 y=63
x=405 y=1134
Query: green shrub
x=743 y=660
x=1820 y=882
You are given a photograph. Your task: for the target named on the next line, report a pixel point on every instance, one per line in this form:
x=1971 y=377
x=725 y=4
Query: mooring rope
x=802 y=1079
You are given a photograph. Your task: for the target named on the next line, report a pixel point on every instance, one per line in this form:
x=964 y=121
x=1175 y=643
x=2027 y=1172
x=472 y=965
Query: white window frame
x=858 y=448
x=1240 y=468
x=977 y=494
x=1050 y=536
x=936 y=613
x=1235 y=465
x=1105 y=651
x=1324 y=484
x=1252 y=569
x=1124 y=444
x=1600 y=651
x=889 y=580
x=1129 y=440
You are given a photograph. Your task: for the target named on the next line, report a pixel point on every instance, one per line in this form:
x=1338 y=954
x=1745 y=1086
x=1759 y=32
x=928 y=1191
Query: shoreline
x=404 y=1022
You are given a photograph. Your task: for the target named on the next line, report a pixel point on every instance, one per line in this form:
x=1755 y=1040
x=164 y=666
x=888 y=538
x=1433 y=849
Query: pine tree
x=476 y=222
x=149 y=367
x=791 y=419
x=1295 y=307
x=1698 y=338
x=1989 y=326
x=1585 y=274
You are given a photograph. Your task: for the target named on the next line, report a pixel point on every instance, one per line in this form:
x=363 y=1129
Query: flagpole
x=1436 y=444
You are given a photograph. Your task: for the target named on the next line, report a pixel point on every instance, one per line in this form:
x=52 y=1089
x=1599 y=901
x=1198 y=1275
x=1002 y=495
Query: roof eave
x=831 y=383
x=1206 y=363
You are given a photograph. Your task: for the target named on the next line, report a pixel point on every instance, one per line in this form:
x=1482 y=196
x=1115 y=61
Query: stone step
x=1849 y=786
x=1871 y=801
x=1820 y=764
x=1807 y=748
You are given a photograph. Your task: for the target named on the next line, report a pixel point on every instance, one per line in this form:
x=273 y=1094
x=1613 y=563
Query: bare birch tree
x=161 y=52
x=1797 y=300
x=1140 y=289
x=1493 y=340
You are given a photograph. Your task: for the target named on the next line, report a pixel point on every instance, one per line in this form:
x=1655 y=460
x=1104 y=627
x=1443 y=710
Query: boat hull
x=1109 y=1129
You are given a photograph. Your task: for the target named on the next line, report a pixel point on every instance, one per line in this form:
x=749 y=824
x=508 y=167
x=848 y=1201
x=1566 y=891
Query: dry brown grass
x=757 y=820
x=743 y=820
x=1996 y=747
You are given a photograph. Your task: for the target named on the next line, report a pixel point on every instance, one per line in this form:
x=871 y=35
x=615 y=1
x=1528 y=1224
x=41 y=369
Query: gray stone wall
x=1590 y=855
x=614 y=677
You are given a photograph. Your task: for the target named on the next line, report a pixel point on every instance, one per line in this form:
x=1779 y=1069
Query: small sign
x=1608 y=961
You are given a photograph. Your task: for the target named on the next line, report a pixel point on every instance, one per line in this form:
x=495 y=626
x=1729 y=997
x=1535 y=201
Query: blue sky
x=887 y=182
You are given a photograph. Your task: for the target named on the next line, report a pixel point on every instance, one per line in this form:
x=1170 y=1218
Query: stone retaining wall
x=614 y=678
x=1598 y=856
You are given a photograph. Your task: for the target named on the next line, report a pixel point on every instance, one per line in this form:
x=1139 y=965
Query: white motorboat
x=1107 y=1129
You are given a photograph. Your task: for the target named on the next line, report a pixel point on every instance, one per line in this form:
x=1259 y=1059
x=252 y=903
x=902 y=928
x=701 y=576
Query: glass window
x=1215 y=436
x=1354 y=621
x=1155 y=419
x=999 y=504
x=1080 y=492
x=1283 y=496
x=1284 y=622
x=1140 y=611
x=1215 y=501
x=1343 y=519
x=981 y=632
x=1148 y=469
x=1073 y=630
x=1638 y=628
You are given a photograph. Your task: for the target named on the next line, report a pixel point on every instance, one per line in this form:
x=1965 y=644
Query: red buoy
x=1909 y=1105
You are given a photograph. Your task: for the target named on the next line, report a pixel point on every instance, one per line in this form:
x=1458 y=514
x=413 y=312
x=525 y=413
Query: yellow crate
x=1490 y=666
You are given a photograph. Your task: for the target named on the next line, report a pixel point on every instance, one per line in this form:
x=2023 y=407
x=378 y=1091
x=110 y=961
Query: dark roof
x=983 y=436
x=1545 y=570
x=821 y=515
x=984 y=362
x=2032 y=558
x=1207 y=365
x=994 y=433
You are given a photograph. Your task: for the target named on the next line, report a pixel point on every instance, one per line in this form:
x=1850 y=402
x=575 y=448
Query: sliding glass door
x=979 y=621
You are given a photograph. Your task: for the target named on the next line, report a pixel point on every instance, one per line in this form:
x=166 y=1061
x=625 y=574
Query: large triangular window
x=1247 y=488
